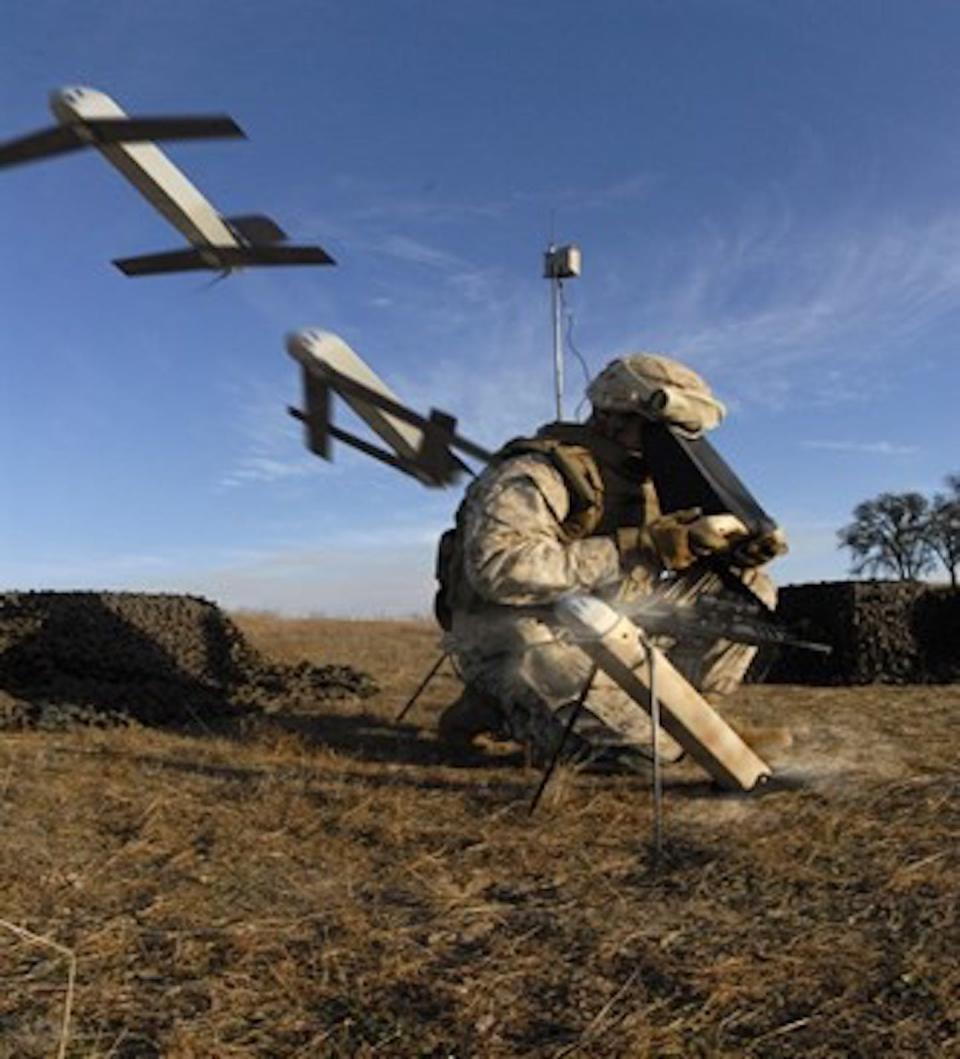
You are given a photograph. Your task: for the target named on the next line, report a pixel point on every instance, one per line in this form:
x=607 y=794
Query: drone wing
x=137 y=130
x=59 y=139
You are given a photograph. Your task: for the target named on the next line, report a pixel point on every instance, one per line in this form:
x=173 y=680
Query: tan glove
x=681 y=538
x=755 y=551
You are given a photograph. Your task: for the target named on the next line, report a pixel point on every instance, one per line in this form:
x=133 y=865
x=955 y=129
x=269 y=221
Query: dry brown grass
x=332 y=885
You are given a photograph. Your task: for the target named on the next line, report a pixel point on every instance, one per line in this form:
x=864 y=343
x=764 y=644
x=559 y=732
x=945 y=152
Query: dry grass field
x=328 y=883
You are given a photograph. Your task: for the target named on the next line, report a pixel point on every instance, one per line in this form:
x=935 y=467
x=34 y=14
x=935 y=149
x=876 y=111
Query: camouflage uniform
x=517 y=559
x=509 y=647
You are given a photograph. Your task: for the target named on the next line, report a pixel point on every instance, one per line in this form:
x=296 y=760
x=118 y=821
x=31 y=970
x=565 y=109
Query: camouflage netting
x=111 y=657
x=890 y=632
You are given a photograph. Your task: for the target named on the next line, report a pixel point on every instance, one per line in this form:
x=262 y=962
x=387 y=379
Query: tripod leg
x=655 y=750
x=420 y=690
x=571 y=721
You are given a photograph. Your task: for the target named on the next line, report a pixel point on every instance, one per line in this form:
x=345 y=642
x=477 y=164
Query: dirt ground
x=321 y=881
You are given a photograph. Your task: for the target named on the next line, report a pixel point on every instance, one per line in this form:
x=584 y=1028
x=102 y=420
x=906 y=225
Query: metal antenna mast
x=559 y=263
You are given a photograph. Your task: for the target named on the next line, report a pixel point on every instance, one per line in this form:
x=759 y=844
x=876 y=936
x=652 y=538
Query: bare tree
x=889 y=535
x=943 y=530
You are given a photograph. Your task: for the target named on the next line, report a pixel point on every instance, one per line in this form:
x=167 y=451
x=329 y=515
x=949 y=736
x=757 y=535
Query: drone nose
x=69 y=94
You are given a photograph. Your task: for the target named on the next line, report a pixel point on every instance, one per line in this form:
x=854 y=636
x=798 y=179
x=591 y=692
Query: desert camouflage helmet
x=659 y=388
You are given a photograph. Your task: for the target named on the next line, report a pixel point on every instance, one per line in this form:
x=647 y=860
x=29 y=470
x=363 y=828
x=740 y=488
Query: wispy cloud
x=496 y=379
x=266 y=437
x=765 y=302
x=426 y=206
x=590 y=197
x=383 y=204
x=872 y=448
x=770 y=295
x=254 y=468
x=414 y=251
x=772 y=308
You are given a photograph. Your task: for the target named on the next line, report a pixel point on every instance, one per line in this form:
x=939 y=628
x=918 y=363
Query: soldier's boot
x=629 y=760
x=472 y=714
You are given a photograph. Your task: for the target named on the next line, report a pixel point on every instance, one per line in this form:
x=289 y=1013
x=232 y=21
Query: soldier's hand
x=681 y=538
x=761 y=549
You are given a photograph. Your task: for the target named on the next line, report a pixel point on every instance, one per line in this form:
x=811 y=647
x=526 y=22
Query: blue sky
x=768 y=190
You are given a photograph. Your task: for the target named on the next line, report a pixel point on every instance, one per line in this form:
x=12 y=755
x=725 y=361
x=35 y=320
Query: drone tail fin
x=257 y=229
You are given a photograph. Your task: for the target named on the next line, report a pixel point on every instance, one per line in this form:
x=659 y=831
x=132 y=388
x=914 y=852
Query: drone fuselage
x=148 y=169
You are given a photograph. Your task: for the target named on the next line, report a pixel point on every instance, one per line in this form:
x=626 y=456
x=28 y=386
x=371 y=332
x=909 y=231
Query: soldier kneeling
x=574 y=509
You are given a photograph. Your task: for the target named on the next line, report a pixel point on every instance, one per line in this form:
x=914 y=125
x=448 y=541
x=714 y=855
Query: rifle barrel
x=741 y=629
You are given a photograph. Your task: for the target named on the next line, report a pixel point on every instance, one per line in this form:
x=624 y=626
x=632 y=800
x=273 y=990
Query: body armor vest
x=607 y=489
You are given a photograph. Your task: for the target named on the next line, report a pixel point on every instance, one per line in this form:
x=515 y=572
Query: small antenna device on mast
x=559 y=263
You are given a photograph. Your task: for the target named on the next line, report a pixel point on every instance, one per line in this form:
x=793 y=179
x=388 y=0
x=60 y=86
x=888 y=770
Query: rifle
x=711 y=618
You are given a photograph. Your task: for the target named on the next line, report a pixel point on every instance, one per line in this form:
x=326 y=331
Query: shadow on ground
x=249 y=775
x=368 y=738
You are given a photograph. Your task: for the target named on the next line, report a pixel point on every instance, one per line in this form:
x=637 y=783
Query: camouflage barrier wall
x=107 y=657
x=888 y=632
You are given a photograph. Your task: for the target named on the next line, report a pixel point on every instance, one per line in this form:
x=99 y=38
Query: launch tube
x=620 y=649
